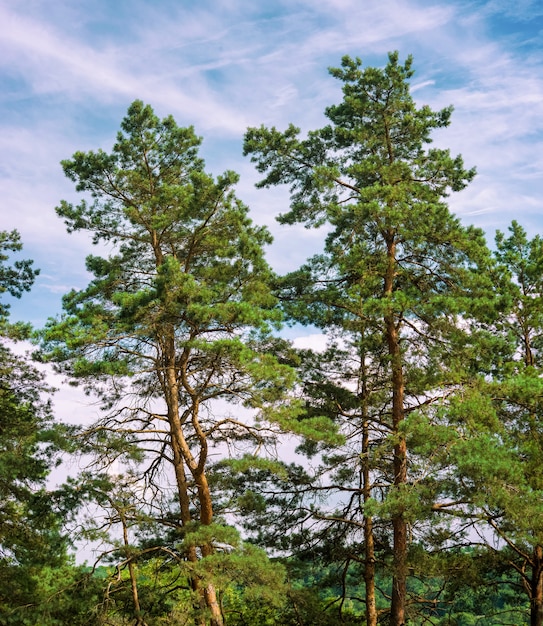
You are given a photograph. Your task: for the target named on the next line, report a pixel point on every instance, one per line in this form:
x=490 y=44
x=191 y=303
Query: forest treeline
x=415 y=494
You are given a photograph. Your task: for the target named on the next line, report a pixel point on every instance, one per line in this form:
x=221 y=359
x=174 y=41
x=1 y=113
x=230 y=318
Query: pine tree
x=496 y=457
x=175 y=320
x=399 y=271
x=31 y=515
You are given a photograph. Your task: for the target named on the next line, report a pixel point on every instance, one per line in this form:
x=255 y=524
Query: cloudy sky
x=69 y=70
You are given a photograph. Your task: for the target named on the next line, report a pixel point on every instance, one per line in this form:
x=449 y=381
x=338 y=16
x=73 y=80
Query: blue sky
x=69 y=70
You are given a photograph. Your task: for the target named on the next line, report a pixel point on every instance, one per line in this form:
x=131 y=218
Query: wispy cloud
x=53 y=63
x=69 y=71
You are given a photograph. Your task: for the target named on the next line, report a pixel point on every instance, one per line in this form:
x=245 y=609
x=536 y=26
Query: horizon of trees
x=415 y=495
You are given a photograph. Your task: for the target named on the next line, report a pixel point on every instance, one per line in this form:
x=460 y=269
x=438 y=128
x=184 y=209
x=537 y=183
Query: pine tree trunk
x=369 y=542
x=206 y=517
x=133 y=578
x=369 y=573
x=182 y=455
x=213 y=605
x=399 y=579
x=536 y=604
x=399 y=526
x=400 y=545
x=536 y=595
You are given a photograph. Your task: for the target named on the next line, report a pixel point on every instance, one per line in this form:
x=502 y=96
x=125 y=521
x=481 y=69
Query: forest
x=392 y=477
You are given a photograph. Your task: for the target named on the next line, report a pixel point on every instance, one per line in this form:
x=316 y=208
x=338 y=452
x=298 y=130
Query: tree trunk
x=536 y=602
x=400 y=545
x=399 y=578
x=369 y=542
x=369 y=573
x=399 y=526
x=207 y=594
x=536 y=586
x=132 y=573
x=213 y=605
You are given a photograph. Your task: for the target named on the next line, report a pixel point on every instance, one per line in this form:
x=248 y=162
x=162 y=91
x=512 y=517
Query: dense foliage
x=415 y=492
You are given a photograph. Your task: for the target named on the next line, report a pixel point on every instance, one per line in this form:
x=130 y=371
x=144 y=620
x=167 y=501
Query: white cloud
x=315 y=341
x=70 y=71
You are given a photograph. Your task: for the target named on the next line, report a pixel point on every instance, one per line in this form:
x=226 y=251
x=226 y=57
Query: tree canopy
x=176 y=320
x=232 y=479
x=398 y=278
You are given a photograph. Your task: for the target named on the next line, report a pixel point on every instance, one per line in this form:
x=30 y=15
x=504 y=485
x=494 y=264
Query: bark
x=213 y=606
x=369 y=573
x=369 y=541
x=182 y=456
x=133 y=578
x=536 y=602
x=399 y=525
x=536 y=586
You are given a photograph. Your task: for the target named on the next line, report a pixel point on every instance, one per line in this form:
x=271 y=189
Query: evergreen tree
x=496 y=457
x=15 y=278
x=31 y=529
x=175 y=320
x=398 y=277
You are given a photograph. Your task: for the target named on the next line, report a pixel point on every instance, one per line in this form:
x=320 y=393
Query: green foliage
x=32 y=539
x=29 y=442
x=54 y=596
x=177 y=318
x=420 y=422
x=187 y=258
x=17 y=278
x=14 y=280
x=400 y=290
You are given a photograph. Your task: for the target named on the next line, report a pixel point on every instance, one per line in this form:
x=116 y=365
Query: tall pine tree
x=399 y=272
x=174 y=321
